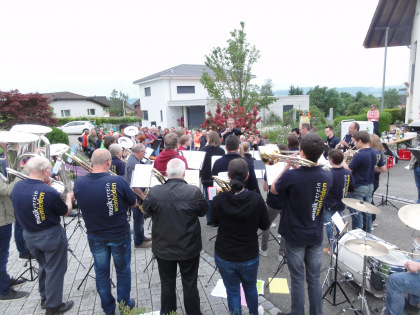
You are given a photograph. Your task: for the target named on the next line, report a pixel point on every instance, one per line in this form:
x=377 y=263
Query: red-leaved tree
x=240 y=115
x=18 y=108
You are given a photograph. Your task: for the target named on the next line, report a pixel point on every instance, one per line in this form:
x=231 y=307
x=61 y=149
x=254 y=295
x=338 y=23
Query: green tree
x=346 y=100
x=361 y=102
x=266 y=95
x=267 y=88
x=324 y=99
x=117 y=103
x=391 y=98
x=295 y=90
x=231 y=68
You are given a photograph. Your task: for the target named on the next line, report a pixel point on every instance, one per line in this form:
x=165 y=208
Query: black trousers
x=189 y=272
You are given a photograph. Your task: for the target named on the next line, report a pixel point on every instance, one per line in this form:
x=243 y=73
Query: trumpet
x=223 y=184
x=270 y=155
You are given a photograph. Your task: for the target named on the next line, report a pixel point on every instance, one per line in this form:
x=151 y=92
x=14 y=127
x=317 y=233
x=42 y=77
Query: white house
x=68 y=104
x=398 y=21
x=177 y=92
x=285 y=103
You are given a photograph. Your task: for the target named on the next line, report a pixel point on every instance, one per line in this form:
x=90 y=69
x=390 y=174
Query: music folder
x=143 y=176
x=415 y=152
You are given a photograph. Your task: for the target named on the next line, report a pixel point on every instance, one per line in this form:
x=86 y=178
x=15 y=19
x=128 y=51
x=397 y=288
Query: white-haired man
x=38 y=208
x=175 y=208
x=104 y=200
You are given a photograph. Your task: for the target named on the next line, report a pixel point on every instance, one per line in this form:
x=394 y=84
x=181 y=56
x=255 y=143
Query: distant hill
x=375 y=91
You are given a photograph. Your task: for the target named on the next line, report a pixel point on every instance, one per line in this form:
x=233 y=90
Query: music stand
x=385 y=202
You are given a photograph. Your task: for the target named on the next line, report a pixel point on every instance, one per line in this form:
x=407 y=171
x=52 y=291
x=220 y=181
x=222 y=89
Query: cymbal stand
x=78 y=225
x=88 y=275
x=332 y=288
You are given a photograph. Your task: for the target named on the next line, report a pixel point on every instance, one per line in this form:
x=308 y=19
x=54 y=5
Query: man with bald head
x=38 y=208
x=104 y=200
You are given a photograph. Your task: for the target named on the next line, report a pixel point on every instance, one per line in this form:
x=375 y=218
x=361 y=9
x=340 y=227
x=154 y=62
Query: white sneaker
x=263 y=252
x=374 y=223
x=261 y=310
x=273 y=225
x=280 y=258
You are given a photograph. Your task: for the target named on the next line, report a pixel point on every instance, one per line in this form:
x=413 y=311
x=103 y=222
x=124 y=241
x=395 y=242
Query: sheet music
x=338 y=221
x=194 y=159
x=259 y=173
x=214 y=158
x=211 y=192
x=256 y=155
x=273 y=171
x=141 y=177
x=192 y=177
x=149 y=152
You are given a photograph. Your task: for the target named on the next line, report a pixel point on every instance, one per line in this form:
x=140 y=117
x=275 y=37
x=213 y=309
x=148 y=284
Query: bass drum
x=378 y=268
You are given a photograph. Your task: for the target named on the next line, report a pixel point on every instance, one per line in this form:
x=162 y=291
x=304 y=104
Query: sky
x=92 y=47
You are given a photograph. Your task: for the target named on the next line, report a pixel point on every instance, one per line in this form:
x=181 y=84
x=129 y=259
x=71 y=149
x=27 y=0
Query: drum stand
x=364 y=307
x=332 y=288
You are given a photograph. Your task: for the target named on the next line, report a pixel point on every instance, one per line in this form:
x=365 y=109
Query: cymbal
x=410 y=215
x=366 y=248
x=361 y=205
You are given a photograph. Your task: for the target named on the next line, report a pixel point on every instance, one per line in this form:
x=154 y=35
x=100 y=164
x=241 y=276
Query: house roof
x=136 y=103
x=68 y=96
x=398 y=15
x=178 y=71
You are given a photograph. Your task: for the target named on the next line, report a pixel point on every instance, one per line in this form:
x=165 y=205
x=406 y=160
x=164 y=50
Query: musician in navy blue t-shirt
x=342 y=184
x=362 y=166
x=304 y=190
x=117 y=166
x=104 y=200
x=38 y=208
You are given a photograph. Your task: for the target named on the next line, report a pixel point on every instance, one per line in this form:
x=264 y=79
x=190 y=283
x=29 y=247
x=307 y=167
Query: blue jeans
x=138 y=226
x=19 y=240
x=233 y=273
x=5 y=236
x=361 y=220
x=120 y=249
x=327 y=218
x=397 y=285
x=417 y=180
x=301 y=259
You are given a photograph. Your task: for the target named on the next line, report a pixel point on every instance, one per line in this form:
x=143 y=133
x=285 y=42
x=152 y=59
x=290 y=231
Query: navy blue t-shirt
x=117 y=166
x=303 y=191
x=104 y=200
x=274 y=201
x=363 y=166
x=37 y=206
x=381 y=161
x=342 y=182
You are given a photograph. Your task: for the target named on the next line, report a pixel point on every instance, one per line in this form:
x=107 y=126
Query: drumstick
x=401 y=251
x=397 y=259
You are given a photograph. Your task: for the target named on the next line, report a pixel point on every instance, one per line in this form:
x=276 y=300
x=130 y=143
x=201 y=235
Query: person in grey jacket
x=7 y=217
x=175 y=208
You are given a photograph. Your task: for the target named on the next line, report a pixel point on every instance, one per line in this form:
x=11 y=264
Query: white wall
x=157 y=101
x=77 y=108
x=200 y=91
x=413 y=99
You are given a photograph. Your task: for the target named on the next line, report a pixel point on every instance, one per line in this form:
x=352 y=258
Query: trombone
x=24 y=177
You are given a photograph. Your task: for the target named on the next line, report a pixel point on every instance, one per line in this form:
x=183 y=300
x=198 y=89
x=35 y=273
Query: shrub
x=276 y=133
x=99 y=121
x=272 y=119
x=398 y=114
x=384 y=122
x=57 y=136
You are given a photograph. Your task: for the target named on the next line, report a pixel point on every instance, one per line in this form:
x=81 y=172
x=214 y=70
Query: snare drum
x=378 y=268
x=416 y=245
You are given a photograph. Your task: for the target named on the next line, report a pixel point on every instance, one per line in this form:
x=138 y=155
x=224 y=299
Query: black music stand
x=386 y=202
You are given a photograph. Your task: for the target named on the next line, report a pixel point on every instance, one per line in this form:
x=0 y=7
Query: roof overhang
x=398 y=16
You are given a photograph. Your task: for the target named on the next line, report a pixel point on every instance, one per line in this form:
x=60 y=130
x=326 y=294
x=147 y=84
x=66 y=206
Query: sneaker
x=273 y=225
x=26 y=256
x=261 y=310
x=372 y=228
x=147 y=239
x=64 y=307
x=280 y=258
x=18 y=281
x=326 y=250
x=263 y=252
x=13 y=295
x=144 y=245
x=374 y=223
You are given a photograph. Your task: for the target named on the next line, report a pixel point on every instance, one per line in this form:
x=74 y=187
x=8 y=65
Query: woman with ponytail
x=239 y=214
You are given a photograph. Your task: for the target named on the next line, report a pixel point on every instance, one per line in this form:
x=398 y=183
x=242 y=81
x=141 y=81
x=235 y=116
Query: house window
x=161 y=116
x=65 y=113
x=91 y=112
x=185 y=89
x=145 y=115
x=286 y=108
x=147 y=91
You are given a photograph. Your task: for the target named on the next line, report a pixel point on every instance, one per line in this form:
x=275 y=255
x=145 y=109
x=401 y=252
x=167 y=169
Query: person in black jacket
x=239 y=213
x=221 y=165
x=176 y=232
x=211 y=149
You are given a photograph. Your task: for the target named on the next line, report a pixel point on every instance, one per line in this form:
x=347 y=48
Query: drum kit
x=369 y=260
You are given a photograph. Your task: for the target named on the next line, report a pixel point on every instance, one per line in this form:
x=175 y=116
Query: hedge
x=101 y=120
x=57 y=136
x=384 y=122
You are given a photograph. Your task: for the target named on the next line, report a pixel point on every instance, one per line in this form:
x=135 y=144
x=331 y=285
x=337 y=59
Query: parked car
x=76 y=127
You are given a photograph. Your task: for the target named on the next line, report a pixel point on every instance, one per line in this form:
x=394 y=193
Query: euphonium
x=223 y=184
x=270 y=155
x=348 y=155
